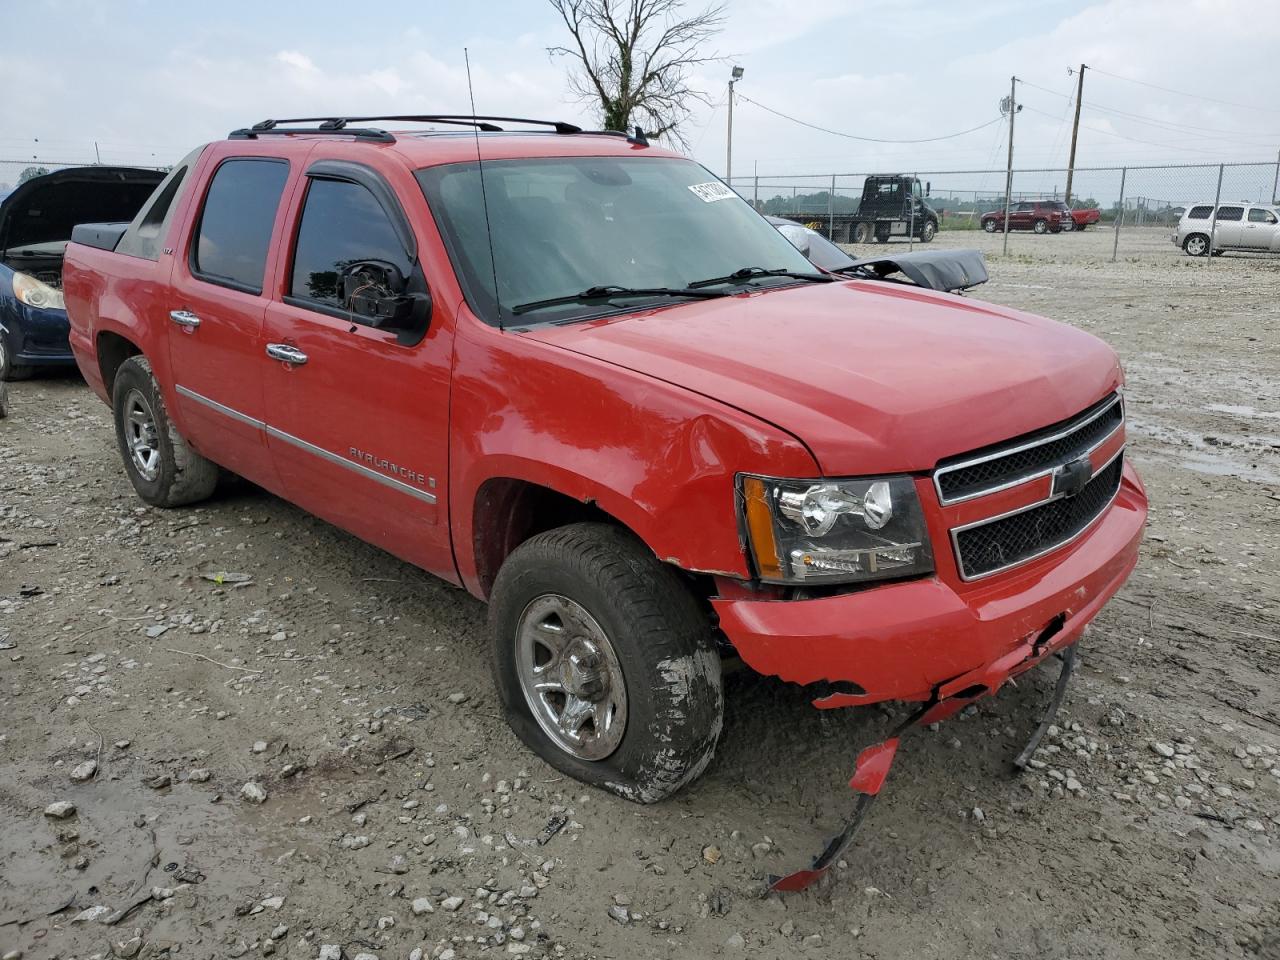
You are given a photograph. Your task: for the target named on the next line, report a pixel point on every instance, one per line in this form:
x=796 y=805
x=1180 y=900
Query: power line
x=1094 y=105
x=851 y=136
x=1121 y=136
x=1183 y=93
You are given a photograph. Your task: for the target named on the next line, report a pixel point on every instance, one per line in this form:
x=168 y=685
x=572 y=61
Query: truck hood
x=872 y=377
x=45 y=208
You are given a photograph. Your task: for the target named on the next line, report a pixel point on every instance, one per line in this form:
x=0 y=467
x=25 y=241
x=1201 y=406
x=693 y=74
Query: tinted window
x=342 y=224
x=1230 y=213
x=1201 y=213
x=235 y=225
x=1022 y=208
x=1258 y=215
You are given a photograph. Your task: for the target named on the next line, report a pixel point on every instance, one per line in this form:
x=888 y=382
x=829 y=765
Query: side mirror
x=928 y=188
x=376 y=292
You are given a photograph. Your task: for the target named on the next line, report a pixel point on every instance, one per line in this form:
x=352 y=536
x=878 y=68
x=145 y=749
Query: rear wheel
x=883 y=232
x=604 y=662
x=162 y=467
x=862 y=233
x=1196 y=245
x=989 y=226
x=1040 y=226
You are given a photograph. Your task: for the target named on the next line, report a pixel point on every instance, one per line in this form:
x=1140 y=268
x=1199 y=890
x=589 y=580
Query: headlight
x=834 y=531
x=36 y=294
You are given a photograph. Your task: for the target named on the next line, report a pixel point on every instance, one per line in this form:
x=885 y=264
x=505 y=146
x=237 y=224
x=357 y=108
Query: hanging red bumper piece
x=873 y=763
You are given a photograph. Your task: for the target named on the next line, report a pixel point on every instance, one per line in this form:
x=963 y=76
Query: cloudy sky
x=147 y=79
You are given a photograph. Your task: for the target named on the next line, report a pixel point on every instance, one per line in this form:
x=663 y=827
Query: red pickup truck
x=1082 y=217
x=579 y=376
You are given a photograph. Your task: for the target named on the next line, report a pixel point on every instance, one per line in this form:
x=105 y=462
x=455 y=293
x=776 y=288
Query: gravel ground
x=308 y=758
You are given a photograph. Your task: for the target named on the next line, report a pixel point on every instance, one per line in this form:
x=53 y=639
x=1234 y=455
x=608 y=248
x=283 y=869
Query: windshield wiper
x=592 y=294
x=752 y=273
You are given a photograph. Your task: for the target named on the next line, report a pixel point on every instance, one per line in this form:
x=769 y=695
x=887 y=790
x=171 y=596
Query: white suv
x=1240 y=226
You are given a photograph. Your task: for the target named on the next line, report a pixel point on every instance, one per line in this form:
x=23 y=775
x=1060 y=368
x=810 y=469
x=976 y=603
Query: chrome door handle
x=286 y=354
x=184 y=318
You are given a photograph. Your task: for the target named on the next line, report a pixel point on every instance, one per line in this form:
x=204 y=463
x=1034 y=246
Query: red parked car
x=1040 y=216
x=589 y=383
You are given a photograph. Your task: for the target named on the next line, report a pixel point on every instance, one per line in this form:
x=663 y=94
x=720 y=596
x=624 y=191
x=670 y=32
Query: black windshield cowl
x=747 y=274
x=592 y=294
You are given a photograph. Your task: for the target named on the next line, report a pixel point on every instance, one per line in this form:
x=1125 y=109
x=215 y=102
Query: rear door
x=1228 y=233
x=358 y=415
x=215 y=313
x=1260 y=229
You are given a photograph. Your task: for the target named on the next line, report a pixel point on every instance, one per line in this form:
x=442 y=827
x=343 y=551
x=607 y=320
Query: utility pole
x=96 y=152
x=1075 y=131
x=1008 y=180
x=735 y=76
x=1275 y=184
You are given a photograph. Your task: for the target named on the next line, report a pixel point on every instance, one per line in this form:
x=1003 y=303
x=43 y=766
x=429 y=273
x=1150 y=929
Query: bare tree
x=632 y=58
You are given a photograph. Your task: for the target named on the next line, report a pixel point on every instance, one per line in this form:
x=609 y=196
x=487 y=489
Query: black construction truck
x=892 y=205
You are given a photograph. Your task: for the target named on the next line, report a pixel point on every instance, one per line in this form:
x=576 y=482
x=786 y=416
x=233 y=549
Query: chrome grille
x=1025 y=458
x=988 y=546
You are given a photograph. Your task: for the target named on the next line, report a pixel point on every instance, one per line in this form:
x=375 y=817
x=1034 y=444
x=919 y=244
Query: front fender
x=658 y=458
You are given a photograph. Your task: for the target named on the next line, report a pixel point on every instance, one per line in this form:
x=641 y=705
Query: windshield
x=563 y=225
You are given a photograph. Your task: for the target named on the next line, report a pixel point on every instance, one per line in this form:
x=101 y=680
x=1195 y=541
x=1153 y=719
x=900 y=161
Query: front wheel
x=8 y=369
x=928 y=231
x=161 y=465
x=605 y=664
x=989 y=226
x=1196 y=245
x=1040 y=226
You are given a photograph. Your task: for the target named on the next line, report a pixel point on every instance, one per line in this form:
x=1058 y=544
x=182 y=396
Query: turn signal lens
x=760 y=527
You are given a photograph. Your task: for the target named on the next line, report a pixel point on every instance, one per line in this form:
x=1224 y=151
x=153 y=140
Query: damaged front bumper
x=940 y=642
x=928 y=639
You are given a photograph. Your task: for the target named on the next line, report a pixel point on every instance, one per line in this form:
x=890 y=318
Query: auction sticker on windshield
x=711 y=192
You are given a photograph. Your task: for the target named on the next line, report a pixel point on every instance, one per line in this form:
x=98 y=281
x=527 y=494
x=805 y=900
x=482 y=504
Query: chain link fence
x=1134 y=212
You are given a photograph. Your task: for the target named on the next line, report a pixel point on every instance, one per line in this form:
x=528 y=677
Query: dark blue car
x=35 y=225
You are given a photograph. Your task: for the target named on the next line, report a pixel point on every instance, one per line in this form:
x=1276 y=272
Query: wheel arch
x=113 y=349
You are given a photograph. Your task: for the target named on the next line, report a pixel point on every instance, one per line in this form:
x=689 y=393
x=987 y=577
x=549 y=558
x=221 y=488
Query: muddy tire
x=604 y=662
x=1040 y=226
x=1196 y=245
x=163 y=468
x=8 y=369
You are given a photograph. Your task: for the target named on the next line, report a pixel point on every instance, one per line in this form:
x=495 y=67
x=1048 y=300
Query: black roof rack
x=338 y=124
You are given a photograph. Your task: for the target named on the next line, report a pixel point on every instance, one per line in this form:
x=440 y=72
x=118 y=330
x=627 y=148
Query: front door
x=215 y=315
x=1020 y=217
x=357 y=414
x=1260 y=229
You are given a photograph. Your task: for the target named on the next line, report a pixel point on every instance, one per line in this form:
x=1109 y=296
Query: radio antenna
x=484 y=197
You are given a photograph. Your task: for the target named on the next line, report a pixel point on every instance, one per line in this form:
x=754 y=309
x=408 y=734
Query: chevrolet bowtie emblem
x=1070 y=478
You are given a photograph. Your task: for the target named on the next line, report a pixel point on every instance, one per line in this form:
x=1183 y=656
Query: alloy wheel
x=571 y=677
x=141 y=435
